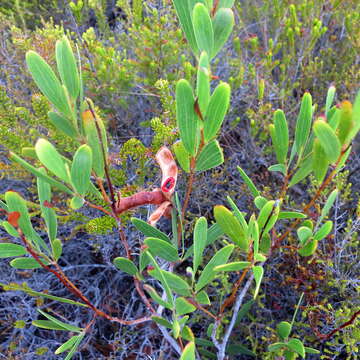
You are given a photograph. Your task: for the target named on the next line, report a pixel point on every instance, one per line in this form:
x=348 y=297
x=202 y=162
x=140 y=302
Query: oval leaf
x=223 y=24
x=208 y=274
x=162 y=249
x=218 y=106
x=328 y=140
x=81 y=169
x=10 y=250
x=51 y=159
x=203 y=29
x=125 y=265
x=210 y=157
x=186 y=118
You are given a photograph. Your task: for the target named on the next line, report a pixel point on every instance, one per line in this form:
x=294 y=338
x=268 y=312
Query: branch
x=222 y=346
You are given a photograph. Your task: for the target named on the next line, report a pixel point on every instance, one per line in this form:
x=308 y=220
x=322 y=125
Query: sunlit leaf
x=303 y=123
x=223 y=24
x=185 y=116
x=81 y=169
x=125 y=265
x=258 y=275
x=218 y=106
x=283 y=329
x=149 y=230
x=203 y=29
x=67 y=67
x=328 y=140
x=208 y=274
x=10 y=250
x=200 y=240
x=184 y=12
x=231 y=226
x=182 y=156
x=47 y=82
x=50 y=157
x=182 y=306
x=162 y=249
x=297 y=346
x=210 y=157
x=254 y=191
x=203 y=83
x=189 y=352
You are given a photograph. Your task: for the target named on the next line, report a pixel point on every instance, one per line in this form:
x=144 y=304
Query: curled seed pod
x=162 y=210
x=169 y=171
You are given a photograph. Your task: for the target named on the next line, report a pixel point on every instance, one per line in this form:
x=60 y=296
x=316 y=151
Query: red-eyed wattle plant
x=239 y=244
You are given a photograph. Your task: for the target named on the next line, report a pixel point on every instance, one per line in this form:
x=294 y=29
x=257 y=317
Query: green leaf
x=48 y=214
x=309 y=248
x=157 y=298
x=226 y=3
x=276 y=346
x=280 y=136
x=203 y=29
x=200 y=235
x=283 y=329
x=258 y=275
x=208 y=274
x=25 y=263
x=31 y=292
x=297 y=346
x=63 y=124
x=233 y=266
x=9 y=229
x=60 y=323
x=50 y=158
x=47 y=324
x=291 y=215
x=223 y=24
x=125 y=265
x=310 y=350
x=304 y=233
x=218 y=106
x=329 y=100
x=203 y=83
x=210 y=157
x=162 y=249
x=47 y=82
x=355 y=117
x=304 y=170
x=189 y=352
x=320 y=161
x=175 y=282
x=10 y=250
x=182 y=306
x=328 y=205
x=186 y=118
x=182 y=156
x=278 y=167
x=268 y=216
x=37 y=173
x=56 y=248
x=16 y=203
x=303 y=123
x=3 y=206
x=238 y=214
x=202 y=298
x=67 y=345
x=161 y=321
x=67 y=68
x=184 y=13
x=254 y=191
x=81 y=169
x=149 y=230
x=92 y=139
x=346 y=124
x=328 y=140
x=260 y=201
x=75 y=346
x=231 y=226
x=76 y=202
x=324 y=230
